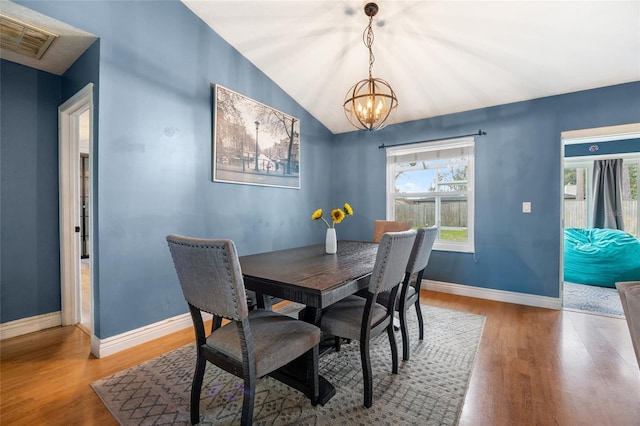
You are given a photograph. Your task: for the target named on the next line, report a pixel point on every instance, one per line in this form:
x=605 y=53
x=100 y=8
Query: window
x=432 y=184
x=578 y=176
x=630 y=202
x=575 y=196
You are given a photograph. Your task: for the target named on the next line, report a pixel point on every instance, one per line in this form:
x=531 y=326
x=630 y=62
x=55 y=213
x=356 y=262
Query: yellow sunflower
x=337 y=215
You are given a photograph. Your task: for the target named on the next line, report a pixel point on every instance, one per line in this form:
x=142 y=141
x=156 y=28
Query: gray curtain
x=607 y=194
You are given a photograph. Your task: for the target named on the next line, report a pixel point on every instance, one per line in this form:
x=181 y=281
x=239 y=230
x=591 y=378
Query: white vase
x=331 y=243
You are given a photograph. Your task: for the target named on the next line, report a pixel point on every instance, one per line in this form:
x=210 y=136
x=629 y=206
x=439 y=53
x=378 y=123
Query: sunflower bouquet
x=337 y=215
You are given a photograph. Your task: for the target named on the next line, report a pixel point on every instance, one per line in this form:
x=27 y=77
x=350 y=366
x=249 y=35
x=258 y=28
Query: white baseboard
x=111 y=345
x=491 y=294
x=29 y=325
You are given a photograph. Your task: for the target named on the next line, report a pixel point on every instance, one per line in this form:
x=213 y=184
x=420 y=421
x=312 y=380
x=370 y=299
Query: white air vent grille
x=23 y=38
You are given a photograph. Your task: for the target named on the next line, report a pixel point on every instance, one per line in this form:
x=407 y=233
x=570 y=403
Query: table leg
x=312 y=315
x=291 y=373
x=327 y=391
x=264 y=301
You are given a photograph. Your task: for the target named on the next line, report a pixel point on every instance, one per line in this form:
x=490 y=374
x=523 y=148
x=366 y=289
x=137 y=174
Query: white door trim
x=596 y=134
x=69 y=175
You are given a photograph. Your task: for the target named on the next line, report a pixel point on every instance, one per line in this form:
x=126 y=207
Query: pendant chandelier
x=370 y=102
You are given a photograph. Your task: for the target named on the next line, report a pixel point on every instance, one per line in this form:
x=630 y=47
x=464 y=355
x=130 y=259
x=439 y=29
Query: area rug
x=592 y=299
x=429 y=389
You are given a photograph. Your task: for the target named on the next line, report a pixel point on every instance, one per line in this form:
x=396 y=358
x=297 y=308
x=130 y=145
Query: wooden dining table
x=312 y=277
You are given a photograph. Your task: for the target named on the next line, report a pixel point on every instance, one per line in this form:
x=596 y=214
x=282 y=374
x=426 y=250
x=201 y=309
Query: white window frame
x=466 y=142
x=580 y=163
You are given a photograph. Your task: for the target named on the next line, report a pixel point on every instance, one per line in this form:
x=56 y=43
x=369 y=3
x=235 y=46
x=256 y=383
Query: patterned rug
x=592 y=299
x=429 y=389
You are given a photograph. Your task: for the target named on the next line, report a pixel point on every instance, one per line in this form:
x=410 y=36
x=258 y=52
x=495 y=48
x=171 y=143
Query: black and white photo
x=253 y=143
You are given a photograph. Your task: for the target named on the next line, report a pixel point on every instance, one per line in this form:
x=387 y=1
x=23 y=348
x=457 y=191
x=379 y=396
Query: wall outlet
x=526 y=207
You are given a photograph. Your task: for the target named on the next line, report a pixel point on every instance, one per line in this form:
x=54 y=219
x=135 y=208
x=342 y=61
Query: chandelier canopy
x=370 y=102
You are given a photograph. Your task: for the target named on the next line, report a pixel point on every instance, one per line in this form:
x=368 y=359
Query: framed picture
x=254 y=144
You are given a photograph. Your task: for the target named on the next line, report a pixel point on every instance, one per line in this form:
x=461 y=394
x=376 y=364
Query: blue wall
x=30 y=208
x=156 y=62
x=518 y=160
x=30 y=261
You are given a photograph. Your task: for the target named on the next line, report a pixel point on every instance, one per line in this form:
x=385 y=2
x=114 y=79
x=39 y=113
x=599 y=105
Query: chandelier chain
x=370 y=102
x=367 y=37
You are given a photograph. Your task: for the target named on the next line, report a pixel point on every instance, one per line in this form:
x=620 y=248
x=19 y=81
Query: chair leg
x=420 y=322
x=313 y=382
x=196 y=387
x=336 y=343
x=248 y=400
x=395 y=322
x=394 y=349
x=366 y=373
x=405 y=334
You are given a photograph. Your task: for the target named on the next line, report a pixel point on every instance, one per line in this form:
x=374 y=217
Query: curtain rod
x=479 y=133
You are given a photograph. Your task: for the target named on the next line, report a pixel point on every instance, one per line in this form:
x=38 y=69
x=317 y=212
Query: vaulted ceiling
x=440 y=57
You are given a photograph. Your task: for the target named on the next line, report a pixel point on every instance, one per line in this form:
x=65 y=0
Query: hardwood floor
x=534 y=367
x=85 y=277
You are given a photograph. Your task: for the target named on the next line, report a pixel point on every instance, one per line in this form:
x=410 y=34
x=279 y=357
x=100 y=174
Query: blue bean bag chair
x=600 y=257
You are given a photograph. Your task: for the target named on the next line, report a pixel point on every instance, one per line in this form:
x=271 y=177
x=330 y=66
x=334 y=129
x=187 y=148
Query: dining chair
x=382 y=226
x=253 y=343
x=362 y=319
x=630 y=297
x=410 y=288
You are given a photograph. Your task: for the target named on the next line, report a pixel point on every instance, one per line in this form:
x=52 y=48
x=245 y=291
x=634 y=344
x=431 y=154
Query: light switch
x=526 y=207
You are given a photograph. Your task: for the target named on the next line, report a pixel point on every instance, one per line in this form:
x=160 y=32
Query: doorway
x=586 y=283
x=76 y=218
x=85 y=200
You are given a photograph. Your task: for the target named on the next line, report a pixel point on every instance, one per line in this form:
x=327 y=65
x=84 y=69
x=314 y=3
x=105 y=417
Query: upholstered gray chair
x=253 y=344
x=410 y=289
x=361 y=319
x=630 y=298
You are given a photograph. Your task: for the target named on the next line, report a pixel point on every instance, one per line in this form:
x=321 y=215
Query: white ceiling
x=440 y=57
x=64 y=50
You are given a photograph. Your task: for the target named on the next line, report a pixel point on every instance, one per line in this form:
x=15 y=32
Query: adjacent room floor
x=592 y=299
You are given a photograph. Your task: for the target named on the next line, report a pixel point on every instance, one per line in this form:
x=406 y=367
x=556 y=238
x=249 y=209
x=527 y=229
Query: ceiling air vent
x=23 y=38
